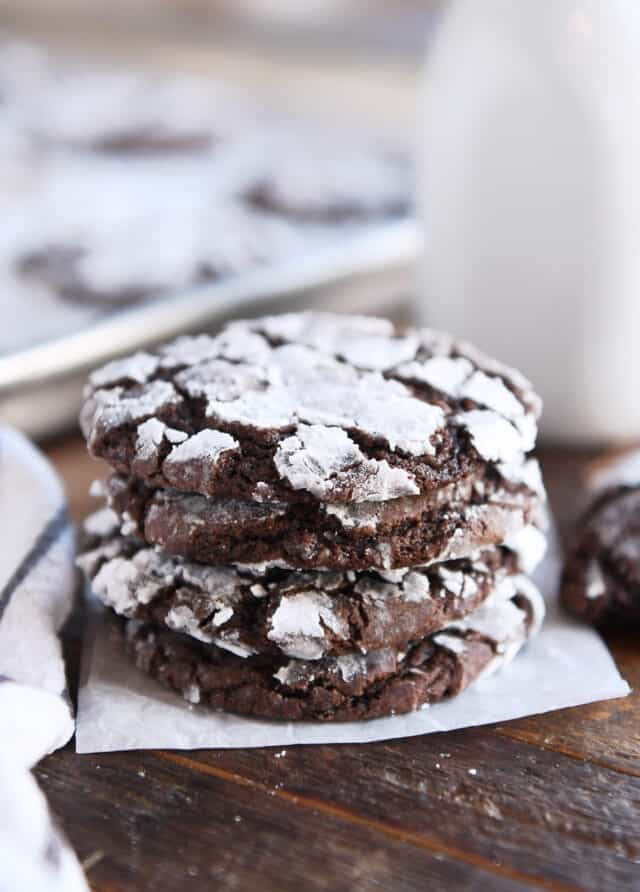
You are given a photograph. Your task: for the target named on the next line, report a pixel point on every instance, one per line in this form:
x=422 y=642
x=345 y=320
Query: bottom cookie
x=353 y=686
x=601 y=579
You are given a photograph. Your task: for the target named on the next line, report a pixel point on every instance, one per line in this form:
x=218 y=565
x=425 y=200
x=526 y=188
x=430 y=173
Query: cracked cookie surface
x=271 y=609
x=311 y=406
x=451 y=522
x=352 y=686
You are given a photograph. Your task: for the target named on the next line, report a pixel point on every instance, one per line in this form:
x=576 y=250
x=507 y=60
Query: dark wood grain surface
x=549 y=802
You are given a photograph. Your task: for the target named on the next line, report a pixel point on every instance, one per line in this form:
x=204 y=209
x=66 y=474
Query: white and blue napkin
x=37 y=582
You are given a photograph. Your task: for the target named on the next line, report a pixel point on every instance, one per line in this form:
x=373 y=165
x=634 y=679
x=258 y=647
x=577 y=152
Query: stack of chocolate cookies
x=316 y=516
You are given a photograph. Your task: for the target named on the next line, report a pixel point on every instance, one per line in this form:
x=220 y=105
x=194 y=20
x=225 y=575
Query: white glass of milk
x=530 y=184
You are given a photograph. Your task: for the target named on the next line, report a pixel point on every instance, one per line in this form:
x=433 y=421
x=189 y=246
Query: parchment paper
x=120 y=708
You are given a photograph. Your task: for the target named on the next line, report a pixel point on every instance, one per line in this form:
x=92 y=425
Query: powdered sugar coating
x=207 y=445
x=454 y=643
x=297 y=625
x=342 y=185
x=220 y=379
x=233 y=344
x=500 y=620
x=150 y=437
x=366 y=342
x=494 y=368
x=595 y=586
x=316 y=456
x=416 y=587
x=351 y=519
x=457 y=377
x=350 y=666
x=493 y=393
x=343 y=688
x=137 y=368
x=312 y=388
x=124 y=583
x=495 y=438
x=503 y=624
x=453 y=580
x=497 y=617
x=198 y=456
x=115 y=583
x=341 y=407
x=527 y=473
x=530 y=545
x=113 y=408
x=102 y=523
x=444 y=373
x=188 y=350
x=305 y=615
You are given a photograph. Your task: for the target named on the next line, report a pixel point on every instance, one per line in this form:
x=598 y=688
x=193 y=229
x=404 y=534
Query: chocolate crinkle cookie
x=311 y=406
x=313 y=185
x=273 y=609
x=451 y=522
x=601 y=579
x=314 y=516
x=357 y=685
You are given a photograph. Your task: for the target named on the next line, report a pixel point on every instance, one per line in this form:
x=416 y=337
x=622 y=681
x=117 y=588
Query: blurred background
x=165 y=166
x=334 y=25
x=472 y=166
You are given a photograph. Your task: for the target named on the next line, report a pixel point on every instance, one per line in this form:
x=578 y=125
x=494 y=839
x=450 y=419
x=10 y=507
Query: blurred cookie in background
x=601 y=579
x=122 y=187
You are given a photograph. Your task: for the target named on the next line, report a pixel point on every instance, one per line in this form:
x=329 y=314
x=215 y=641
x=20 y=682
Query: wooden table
x=548 y=802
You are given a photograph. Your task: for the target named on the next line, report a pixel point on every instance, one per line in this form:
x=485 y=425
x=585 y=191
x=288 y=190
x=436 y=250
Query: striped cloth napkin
x=37 y=582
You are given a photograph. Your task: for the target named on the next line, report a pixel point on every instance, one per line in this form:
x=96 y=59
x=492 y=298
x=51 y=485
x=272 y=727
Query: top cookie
x=307 y=406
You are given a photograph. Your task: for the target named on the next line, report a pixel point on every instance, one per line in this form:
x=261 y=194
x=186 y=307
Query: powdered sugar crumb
x=445 y=373
x=320 y=459
x=495 y=438
x=205 y=445
x=415 y=587
x=198 y=456
x=102 y=523
x=595 y=585
x=350 y=666
x=298 y=623
x=149 y=438
x=137 y=368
